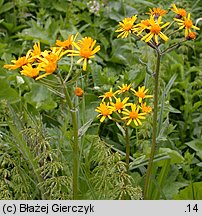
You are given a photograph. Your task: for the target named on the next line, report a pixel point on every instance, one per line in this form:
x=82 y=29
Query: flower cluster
x=36 y=61
x=149 y=30
x=118 y=105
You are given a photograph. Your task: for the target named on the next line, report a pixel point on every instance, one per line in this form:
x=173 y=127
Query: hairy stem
x=154 y=129
x=75 y=140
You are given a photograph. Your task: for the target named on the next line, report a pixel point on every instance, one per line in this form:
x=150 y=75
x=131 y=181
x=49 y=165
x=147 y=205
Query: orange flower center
x=155 y=29
x=126 y=88
x=128 y=24
x=140 y=94
x=182 y=12
x=34 y=72
x=133 y=115
x=52 y=57
x=85 y=52
x=108 y=94
x=188 y=23
x=119 y=105
x=145 y=22
x=146 y=109
x=105 y=111
x=50 y=67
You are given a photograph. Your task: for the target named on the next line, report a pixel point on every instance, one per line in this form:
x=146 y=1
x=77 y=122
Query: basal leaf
x=8 y=93
x=192 y=192
x=40 y=97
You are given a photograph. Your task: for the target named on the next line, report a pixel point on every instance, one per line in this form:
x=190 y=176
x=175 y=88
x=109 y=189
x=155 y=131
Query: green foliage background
x=35 y=131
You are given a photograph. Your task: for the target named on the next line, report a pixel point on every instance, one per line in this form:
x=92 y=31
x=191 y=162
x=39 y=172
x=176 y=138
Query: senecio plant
x=155 y=32
x=126 y=106
x=38 y=64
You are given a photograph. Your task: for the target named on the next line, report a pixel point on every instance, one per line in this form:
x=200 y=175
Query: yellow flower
x=141 y=93
x=155 y=30
x=187 y=24
x=108 y=95
x=78 y=92
x=85 y=50
x=179 y=11
x=123 y=89
x=142 y=26
x=126 y=27
x=48 y=66
x=133 y=115
x=119 y=105
x=145 y=108
x=156 y=12
x=18 y=63
x=67 y=44
x=30 y=71
x=105 y=111
x=48 y=61
x=36 y=52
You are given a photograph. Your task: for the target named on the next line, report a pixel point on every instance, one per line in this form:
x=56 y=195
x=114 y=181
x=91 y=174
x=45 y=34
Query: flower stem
x=154 y=130
x=75 y=140
x=127 y=149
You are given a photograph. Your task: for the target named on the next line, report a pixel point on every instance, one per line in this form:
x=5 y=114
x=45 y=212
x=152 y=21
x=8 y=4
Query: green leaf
x=196 y=146
x=175 y=156
x=84 y=128
x=6 y=7
x=40 y=97
x=8 y=93
x=192 y=192
x=172 y=189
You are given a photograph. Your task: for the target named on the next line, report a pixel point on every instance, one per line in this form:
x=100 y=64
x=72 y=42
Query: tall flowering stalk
x=153 y=32
x=39 y=64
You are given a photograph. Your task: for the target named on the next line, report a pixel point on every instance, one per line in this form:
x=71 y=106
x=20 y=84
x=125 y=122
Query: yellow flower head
x=145 y=108
x=155 y=30
x=156 y=12
x=143 y=25
x=186 y=24
x=18 y=63
x=108 y=95
x=133 y=115
x=67 y=44
x=119 y=105
x=123 y=89
x=126 y=27
x=105 y=111
x=179 y=11
x=85 y=49
x=48 y=66
x=36 y=52
x=30 y=71
x=141 y=93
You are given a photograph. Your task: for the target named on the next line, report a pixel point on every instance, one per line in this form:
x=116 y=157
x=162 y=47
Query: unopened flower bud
x=78 y=92
x=191 y=36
